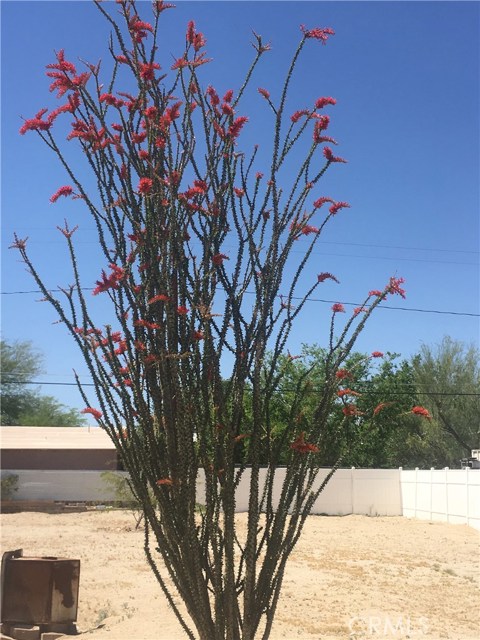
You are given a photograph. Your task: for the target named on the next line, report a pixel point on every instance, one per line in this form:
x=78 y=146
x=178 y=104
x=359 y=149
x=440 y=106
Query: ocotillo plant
x=197 y=242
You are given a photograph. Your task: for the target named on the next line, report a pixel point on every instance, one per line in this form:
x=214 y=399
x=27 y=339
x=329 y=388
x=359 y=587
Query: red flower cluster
x=377 y=354
x=336 y=206
x=36 y=123
x=338 y=308
x=94 y=412
x=327 y=276
x=328 y=153
x=322 y=102
x=218 y=258
x=394 y=287
x=194 y=37
x=300 y=446
x=421 y=411
x=318 y=33
x=147 y=70
x=62 y=69
x=159 y=298
x=111 y=281
x=347 y=392
x=138 y=29
x=63 y=191
x=380 y=407
x=165 y=482
x=298 y=114
x=351 y=410
x=145 y=186
x=320 y=125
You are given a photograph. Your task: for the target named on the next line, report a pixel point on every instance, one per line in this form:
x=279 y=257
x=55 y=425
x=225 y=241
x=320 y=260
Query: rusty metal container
x=39 y=590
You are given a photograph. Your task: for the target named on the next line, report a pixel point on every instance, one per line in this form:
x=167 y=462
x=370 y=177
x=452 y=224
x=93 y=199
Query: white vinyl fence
x=451 y=495
x=448 y=495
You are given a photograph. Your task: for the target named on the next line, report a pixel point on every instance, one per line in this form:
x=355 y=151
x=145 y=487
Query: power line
x=365 y=393
x=353 y=304
x=347 y=244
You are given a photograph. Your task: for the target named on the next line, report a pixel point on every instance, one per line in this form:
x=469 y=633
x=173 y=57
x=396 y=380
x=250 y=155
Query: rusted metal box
x=39 y=590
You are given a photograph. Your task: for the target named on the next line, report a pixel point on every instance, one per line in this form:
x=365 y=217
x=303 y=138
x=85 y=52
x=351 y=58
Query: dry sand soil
x=349 y=577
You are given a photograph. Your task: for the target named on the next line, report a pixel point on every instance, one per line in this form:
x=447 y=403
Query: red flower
x=298 y=114
x=165 y=481
x=377 y=354
x=380 y=407
x=318 y=33
x=145 y=185
x=227 y=109
x=160 y=6
x=308 y=229
x=63 y=191
x=341 y=374
x=159 y=298
x=394 y=287
x=111 y=100
x=336 y=206
x=322 y=102
x=300 y=446
x=264 y=93
x=321 y=201
x=321 y=124
x=326 y=276
x=338 y=308
x=94 y=412
x=147 y=70
x=218 y=258
x=195 y=38
x=358 y=310
x=350 y=410
x=111 y=281
x=327 y=152
x=347 y=392
x=139 y=29
x=375 y=292
x=198 y=335
x=228 y=97
x=236 y=127
x=138 y=138
x=239 y=192
x=213 y=95
x=421 y=411
x=182 y=310
x=36 y=123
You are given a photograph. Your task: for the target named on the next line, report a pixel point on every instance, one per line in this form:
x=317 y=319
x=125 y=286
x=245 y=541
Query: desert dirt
x=349 y=577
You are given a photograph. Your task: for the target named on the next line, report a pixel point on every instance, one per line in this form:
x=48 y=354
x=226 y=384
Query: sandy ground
x=349 y=577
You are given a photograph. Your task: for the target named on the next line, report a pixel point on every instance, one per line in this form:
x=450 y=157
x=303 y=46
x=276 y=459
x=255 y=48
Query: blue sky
x=406 y=79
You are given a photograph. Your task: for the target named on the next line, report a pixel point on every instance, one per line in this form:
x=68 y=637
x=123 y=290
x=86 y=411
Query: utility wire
x=366 y=393
x=352 y=304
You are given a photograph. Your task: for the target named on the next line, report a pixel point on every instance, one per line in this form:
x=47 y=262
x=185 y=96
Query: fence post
x=467 y=491
x=432 y=469
x=446 y=494
x=400 y=469
x=415 y=501
x=352 y=487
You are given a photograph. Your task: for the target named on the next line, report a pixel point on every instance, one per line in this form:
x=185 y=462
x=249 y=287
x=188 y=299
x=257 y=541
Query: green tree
x=20 y=405
x=19 y=364
x=380 y=389
x=448 y=376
